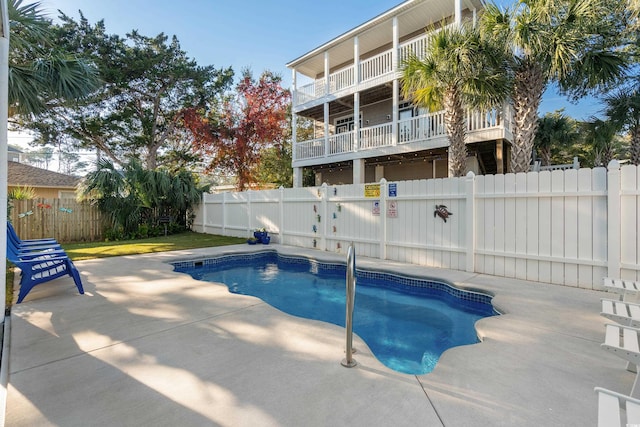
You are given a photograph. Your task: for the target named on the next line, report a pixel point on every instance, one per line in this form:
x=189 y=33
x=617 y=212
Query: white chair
x=625 y=313
x=615 y=409
x=628 y=289
x=624 y=342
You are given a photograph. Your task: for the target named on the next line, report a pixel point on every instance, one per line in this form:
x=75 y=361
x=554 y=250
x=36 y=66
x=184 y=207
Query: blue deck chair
x=40 y=266
x=11 y=234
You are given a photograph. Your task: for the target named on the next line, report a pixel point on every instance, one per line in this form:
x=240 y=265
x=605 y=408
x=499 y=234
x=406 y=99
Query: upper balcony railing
x=409 y=131
x=376 y=67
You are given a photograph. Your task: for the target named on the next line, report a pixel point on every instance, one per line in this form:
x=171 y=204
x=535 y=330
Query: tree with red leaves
x=233 y=137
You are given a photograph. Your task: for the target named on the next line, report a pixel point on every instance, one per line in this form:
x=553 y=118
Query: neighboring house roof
x=21 y=174
x=15 y=150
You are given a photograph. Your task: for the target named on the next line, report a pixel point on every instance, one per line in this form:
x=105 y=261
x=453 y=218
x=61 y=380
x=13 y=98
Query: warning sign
x=393 y=189
x=375 y=208
x=372 y=190
x=392 y=209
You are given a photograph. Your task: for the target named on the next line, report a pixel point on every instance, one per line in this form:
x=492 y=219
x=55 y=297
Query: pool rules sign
x=392 y=209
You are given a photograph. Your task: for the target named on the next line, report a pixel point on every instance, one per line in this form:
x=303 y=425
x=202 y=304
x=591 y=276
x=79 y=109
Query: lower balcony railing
x=416 y=129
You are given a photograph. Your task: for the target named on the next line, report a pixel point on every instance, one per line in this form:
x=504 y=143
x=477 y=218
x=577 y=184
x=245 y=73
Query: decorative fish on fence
x=443 y=212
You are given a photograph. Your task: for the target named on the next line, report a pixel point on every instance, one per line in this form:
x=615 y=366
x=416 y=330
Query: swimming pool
x=407 y=322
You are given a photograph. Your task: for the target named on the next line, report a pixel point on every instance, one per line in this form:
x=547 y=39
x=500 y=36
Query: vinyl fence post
x=249 y=213
x=613 y=220
x=324 y=194
x=470 y=219
x=383 y=218
x=224 y=215
x=203 y=213
x=281 y=216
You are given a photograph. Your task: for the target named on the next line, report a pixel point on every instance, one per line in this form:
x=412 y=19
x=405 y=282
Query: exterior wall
x=377 y=113
x=336 y=177
x=570 y=227
x=50 y=192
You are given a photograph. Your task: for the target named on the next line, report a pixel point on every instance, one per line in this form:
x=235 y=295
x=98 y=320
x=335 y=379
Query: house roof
x=21 y=174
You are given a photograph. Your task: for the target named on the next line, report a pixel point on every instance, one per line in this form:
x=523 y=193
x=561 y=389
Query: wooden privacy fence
x=569 y=227
x=64 y=219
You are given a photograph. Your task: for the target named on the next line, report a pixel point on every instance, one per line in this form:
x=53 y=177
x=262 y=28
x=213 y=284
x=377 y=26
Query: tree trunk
x=635 y=145
x=456 y=132
x=529 y=86
x=545 y=155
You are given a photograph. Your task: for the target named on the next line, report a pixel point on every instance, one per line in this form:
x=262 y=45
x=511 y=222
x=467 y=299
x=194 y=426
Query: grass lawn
x=174 y=242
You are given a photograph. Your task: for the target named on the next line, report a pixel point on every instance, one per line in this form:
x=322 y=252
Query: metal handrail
x=349 y=361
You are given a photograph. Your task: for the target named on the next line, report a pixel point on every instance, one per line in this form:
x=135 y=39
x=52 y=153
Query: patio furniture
x=13 y=236
x=40 y=265
x=626 y=288
x=615 y=409
x=624 y=341
x=624 y=313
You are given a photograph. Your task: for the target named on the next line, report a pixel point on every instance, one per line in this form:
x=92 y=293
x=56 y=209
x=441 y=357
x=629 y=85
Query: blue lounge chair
x=40 y=265
x=13 y=236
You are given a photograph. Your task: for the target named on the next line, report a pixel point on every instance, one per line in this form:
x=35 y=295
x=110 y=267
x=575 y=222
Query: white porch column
x=294 y=85
x=396 y=87
x=294 y=116
x=297 y=177
x=326 y=129
x=379 y=173
x=327 y=70
x=458 y=12
x=356 y=95
x=326 y=103
x=318 y=179
x=358 y=171
x=356 y=121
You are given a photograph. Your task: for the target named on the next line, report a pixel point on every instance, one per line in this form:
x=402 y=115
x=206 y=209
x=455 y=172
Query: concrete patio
x=149 y=347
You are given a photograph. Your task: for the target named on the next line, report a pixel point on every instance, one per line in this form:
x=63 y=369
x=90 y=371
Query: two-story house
x=363 y=130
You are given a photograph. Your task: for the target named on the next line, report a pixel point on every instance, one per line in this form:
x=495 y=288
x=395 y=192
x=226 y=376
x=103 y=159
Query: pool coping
x=463 y=293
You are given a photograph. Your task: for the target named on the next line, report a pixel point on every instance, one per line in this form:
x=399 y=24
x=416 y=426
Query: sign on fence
x=372 y=190
x=392 y=209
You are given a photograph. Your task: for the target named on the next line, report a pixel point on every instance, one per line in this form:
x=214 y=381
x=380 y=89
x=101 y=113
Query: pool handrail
x=349 y=361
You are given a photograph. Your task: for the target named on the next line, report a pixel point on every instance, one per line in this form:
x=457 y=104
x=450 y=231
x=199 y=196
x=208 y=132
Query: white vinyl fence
x=567 y=227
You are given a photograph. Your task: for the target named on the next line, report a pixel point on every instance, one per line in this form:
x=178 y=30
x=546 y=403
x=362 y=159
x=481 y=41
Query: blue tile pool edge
x=232 y=258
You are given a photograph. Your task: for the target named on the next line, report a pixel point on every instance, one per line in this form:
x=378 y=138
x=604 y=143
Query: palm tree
x=458 y=70
x=623 y=109
x=39 y=73
x=136 y=198
x=600 y=135
x=554 y=130
x=566 y=41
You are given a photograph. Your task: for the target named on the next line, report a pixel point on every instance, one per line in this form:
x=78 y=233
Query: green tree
x=135 y=198
x=147 y=83
x=555 y=131
x=41 y=72
x=458 y=70
x=600 y=136
x=623 y=109
x=234 y=137
x=571 y=42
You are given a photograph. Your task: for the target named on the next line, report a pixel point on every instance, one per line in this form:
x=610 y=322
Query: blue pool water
x=406 y=322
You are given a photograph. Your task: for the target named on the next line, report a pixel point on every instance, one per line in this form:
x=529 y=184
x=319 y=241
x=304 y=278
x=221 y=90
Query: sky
x=256 y=34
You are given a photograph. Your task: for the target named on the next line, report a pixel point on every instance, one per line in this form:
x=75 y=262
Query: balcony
x=375 y=70
x=413 y=134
